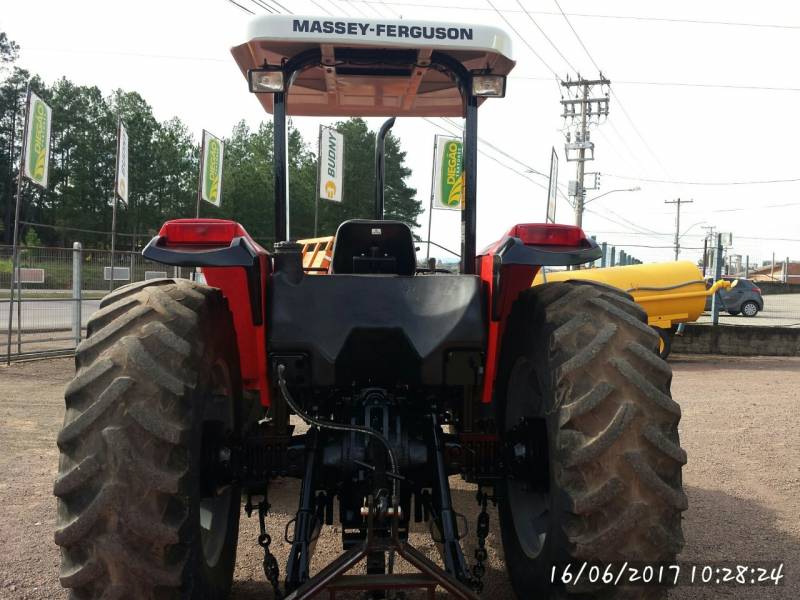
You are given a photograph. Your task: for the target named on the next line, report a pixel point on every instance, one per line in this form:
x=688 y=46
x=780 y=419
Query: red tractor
x=552 y=399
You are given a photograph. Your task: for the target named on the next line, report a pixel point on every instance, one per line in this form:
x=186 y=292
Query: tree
x=358 y=200
x=163 y=169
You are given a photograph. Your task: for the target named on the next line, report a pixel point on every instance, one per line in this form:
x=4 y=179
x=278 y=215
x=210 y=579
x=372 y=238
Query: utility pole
x=678 y=203
x=580 y=106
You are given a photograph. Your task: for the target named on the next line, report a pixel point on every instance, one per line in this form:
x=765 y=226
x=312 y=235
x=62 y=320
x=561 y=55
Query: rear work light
x=201 y=231
x=267 y=80
x=548 y=234
x=491 y=86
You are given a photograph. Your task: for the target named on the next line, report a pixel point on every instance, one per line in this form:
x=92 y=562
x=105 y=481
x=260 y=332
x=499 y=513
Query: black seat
x=374 y=247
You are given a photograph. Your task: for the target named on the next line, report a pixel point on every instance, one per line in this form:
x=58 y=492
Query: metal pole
x=114 y=212
x=678 y=203
x=705 y=255
x=786 y=271
x=622 y=255
x=612 y=257
x=469 y=212
x=316 y=185
x=380 y=166
x=772 y=268
x=200 y=175
x=280 y=168
x=7 y=216
x=580 y=192
x=77 y=263
x=14 y=242
x=717 y=300
x=747 y=267
x=433 y=191
x=604 y=258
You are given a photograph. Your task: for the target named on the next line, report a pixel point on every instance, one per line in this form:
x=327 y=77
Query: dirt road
x=741 y=429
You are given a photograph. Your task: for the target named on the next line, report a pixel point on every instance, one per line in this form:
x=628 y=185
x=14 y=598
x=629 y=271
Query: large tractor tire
x=585 y=411
x=146 y=505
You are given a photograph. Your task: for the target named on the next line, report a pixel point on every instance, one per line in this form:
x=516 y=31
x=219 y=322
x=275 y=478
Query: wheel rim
x=749 y=309
x=216 y=487
x=528 y=498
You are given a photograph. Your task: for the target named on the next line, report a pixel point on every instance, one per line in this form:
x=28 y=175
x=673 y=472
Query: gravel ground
x=741 y=429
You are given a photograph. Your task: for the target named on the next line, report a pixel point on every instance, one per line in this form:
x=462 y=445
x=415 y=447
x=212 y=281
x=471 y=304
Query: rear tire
x=146 y=508
x=749 y=309
x=584 y=398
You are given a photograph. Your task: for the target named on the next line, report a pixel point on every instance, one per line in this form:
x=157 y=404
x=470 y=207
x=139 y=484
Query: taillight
x=756 y=290
x=548 y=234
x=201 y=231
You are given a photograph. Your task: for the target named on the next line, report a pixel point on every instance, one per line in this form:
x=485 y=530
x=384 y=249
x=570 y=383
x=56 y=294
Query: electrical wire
x=710 y=183
x=594 y=15
x=547 y=37
x=613 y=93
x=524 y=41
x=244 y=8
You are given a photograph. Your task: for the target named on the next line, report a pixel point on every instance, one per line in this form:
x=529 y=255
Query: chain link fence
x=45 y=306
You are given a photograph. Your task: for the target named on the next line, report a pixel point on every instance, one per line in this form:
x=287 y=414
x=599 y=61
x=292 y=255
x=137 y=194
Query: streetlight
x=634 y=189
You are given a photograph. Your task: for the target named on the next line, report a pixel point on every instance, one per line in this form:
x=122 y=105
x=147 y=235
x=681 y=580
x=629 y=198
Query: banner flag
x=122 y=163
x=448 y=173
x=211 y=169
x=552 y=188
x=331 y=164
x=37 y=140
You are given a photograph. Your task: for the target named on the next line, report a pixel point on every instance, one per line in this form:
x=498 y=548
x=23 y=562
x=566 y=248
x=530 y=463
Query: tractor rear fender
x=508 y=267
x=233 y=262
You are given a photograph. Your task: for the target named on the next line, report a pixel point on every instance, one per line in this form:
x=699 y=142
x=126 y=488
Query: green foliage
x=32 y=239
x=163 y=172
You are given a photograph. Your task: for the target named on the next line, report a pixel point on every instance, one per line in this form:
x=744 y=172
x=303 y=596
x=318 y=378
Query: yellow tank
x=670 y=293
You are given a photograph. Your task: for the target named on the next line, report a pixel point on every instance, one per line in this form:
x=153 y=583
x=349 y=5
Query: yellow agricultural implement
x=670 y=293
x=317 y=254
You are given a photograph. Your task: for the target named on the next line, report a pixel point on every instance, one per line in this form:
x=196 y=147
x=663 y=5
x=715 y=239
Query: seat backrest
x=364 y=246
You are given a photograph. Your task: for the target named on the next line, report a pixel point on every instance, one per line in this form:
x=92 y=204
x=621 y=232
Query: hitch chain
x=482 y=530
x=271 y=569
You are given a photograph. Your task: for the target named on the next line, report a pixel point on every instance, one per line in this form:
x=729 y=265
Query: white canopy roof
x=341 y=85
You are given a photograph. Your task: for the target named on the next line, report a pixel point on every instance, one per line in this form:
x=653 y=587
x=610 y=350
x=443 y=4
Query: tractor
x=372 y=382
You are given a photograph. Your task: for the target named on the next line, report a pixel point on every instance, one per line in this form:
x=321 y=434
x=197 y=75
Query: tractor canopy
x=365 y=67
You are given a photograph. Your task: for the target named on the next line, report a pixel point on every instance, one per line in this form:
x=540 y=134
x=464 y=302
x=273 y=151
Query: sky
x=718 y=129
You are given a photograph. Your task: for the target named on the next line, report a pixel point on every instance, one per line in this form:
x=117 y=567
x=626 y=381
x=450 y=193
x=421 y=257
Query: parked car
x=742 y=297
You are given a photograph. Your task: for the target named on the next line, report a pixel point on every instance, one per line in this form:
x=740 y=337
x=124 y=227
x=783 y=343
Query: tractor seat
x=374 y=247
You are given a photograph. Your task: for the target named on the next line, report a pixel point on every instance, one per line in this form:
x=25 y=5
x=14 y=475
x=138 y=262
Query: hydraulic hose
x=325 y=424
x=666 y=287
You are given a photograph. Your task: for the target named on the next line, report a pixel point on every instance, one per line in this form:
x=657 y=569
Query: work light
x=266 y=80
x=493 y=86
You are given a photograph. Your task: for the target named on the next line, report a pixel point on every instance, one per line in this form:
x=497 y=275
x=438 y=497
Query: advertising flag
x=37 y=140
x=122 y=163
x=552 y=189
x=448 y=173
x=331 y=164
x=211 y=169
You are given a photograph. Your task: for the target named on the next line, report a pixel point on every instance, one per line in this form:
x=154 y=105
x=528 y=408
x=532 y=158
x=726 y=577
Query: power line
x=318 y=5
x=686 y=84
x=595 y=15
x=710 y=183
x=580 y=41
x=524 y=41
x=489 y=156
x=613 y=93
x=556 y=48
x=261 y=4
x=244 y=8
